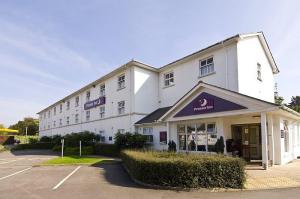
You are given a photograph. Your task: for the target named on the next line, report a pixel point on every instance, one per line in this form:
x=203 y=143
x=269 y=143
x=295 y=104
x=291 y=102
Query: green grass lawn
x=76 y=160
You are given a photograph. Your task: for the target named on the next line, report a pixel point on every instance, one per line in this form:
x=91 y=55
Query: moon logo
x=203 y=102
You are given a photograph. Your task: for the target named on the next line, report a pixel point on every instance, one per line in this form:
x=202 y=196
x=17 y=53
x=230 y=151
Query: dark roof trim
x=154 y=116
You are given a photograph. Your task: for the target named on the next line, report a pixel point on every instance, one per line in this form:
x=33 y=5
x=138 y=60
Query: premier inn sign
x=207 y=103
x=94 y=103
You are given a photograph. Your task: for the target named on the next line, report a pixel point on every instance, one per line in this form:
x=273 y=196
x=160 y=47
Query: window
x=121 y=82
x=121 y=131
x=76 y=118
x=60 y=108
x=102 y=137
x=121 y=107
x=54 y=124
x=197 y=137
x=88 y=96
x=48 y=114
x=60 y=122
x=169 y=79
x=207 y=66
x=147 y=130
x=163 y=137
x=48 y=126
x=77 y=101
x=102 y=90
x=110 y=138
x=68 y=120
x=54 y=110
x=87 y=115
x=286 y=135
x=102 y=111
x=68 y=105
x=44 y=115
x=259 y=72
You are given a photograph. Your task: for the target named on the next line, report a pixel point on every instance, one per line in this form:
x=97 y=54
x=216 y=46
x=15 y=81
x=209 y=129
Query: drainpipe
x=226 y=65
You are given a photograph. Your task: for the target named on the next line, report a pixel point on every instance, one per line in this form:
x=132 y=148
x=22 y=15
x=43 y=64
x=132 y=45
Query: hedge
x=85 y=150
x=185 y=170
x=38 y=145
x=106 y=149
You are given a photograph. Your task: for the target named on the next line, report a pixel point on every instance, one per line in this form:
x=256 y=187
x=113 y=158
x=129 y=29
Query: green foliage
x=129 y=140
x=295 y=103
x=2 y=126
x=106 y=149
x=32 y=140
x=73 y=160
x=278 y=100
x=172 y=146
x=185 y=170
x=38 y=145
x=220 y=146
x=31 y=123
x=87 y=138
x=87 y=150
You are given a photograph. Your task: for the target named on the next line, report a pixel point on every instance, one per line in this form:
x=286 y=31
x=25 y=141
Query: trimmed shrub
x=185 y=170
x=172 y=146
x=38 y=145
x=87 y=150
x=106 y=149
x=129 y=140
x=220 y=146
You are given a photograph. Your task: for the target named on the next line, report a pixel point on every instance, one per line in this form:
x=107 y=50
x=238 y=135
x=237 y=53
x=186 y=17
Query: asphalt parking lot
x=19 y=178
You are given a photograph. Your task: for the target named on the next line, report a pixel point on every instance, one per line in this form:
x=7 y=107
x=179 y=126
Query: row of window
x=121 y=85
x=121 y=110
x=206 y=67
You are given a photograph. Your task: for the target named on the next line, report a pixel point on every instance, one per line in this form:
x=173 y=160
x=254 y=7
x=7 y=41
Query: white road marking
x=11 y=161
x=63 y=180
x=2 y=178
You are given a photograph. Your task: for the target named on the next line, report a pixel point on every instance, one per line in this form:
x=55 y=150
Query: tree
x=278 y=100
x=31 y=124
x=2 y=126
x=295 y=103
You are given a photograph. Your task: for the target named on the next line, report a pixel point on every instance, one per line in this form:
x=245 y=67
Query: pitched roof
x=154 y=116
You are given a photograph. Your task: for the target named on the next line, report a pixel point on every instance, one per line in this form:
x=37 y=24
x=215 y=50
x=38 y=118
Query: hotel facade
x=226 y=89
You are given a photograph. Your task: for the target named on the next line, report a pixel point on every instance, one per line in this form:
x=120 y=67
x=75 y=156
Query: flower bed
x=185 y=171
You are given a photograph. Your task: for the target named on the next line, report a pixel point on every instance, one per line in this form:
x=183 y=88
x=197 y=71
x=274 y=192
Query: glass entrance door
x=251 y=142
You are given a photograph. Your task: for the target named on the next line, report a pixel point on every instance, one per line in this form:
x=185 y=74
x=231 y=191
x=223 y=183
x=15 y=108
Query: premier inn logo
x=204 y=104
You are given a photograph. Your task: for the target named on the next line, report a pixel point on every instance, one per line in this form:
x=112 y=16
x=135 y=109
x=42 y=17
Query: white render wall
x=251 y=52
x=186 y=75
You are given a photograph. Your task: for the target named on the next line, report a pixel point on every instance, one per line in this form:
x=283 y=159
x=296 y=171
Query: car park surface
x=96 y=181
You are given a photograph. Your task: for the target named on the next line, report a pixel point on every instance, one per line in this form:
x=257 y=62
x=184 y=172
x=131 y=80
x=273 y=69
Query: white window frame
x=77 y=101
x=286 y=136
x=87 y=115
x=121 y=107
x=54 y=110
x=76 y=118
x=49 y=114
x=207 y=68
x=60 y=122
x=148 y=130
x=259 y=72
x=68 y=105
x=54 y=123
x=102 y=90
x=60 y=108
x=122 y=131
x=102 y=111
x=68 y=120
x=121 y=81
x=169 y=79
x=88 y=96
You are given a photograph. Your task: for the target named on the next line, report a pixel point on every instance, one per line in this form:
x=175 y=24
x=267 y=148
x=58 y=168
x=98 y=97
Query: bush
x=38 y=145
x=172 y=146
x=87 y=138
x=185 y=170
x=129 y=140
x=87 y=150
x=32 y=140
x=219 y=146
x=106 y=149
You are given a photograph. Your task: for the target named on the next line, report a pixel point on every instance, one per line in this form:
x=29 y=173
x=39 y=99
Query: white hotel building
x=226 y=89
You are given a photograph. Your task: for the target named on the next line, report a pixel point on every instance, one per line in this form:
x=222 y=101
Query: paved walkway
x=275 y=177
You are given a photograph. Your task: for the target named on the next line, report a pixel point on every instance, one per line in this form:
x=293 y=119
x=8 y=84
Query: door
x=251 y=143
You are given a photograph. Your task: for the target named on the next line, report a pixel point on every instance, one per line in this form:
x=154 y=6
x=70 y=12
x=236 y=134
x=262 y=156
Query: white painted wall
x=250 y=52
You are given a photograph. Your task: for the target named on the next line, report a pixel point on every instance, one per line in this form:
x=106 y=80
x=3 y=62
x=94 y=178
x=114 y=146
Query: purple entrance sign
x=207 y=103
x=94 y=103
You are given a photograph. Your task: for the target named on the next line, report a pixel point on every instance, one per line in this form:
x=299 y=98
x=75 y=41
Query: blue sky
x=49 y=49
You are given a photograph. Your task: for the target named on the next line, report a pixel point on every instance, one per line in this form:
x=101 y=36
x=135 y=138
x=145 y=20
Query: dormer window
x=206 y=66
x=169 y=79
x=259 y=72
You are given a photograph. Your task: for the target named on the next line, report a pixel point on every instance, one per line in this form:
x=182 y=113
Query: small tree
x=172 y=146
x=219 y=146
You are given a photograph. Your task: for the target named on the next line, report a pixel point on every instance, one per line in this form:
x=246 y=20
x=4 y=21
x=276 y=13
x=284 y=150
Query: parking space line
x=63 y=180
x=2 y=178
x=10 y=161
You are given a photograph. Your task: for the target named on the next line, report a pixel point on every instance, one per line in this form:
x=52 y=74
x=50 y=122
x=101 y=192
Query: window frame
x=102 y=90
x=54 y=110
x=121 y=107
x=121 y=81
x=68 y=105
x=168 y=78
x=60 y=108
x=77 y=101
x=210 y=67
x=68 y=120
x=102 y=111
x=88 y=96
x=258 y=71
x=87 y=115
x=76 y=118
